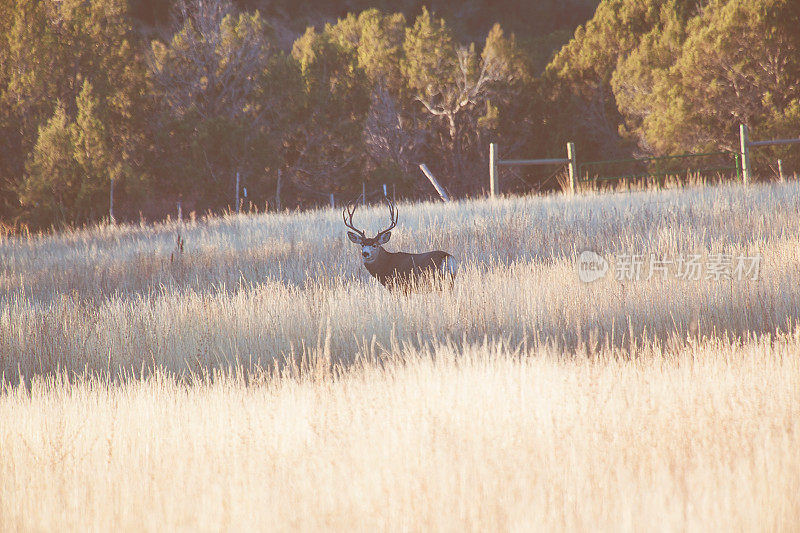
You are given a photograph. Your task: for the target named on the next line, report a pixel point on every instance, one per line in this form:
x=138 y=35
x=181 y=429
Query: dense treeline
x=166 y=103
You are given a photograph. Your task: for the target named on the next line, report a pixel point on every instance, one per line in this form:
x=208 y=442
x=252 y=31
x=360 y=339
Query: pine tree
x=699 y=74
x=53 y=179
x=325 y=151
x=54 y=49
x=209 y=80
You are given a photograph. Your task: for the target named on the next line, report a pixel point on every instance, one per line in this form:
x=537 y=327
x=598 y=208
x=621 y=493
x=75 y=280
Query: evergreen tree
x=325 y=151
x=739 y=63
x=53 y=49
x=579 y=77
x=53 y=191
x=208 y=81
x=94 y=152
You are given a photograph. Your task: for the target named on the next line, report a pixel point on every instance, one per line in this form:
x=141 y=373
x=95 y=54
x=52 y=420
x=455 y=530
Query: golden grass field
x=261 y=379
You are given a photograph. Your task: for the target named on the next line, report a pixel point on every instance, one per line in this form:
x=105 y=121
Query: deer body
x=390 y=268
x=397 y=268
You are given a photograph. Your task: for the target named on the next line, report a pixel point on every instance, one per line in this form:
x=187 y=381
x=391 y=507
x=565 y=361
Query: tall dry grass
x=480 y=438
x=252 y=289
x=141 y=390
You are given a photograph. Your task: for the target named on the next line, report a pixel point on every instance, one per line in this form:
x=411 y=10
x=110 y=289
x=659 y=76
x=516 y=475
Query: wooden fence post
x=492 y=169
x=442 y=193
x=333 y=204
x=573 y=167
x=745 y=152
x=780 y=169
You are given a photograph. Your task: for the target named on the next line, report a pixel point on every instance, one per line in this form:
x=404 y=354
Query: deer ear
x=383 y=238
x=354 y=237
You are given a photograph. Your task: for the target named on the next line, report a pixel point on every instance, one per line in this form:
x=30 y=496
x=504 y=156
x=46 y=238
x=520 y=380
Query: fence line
x=741 y=160
x=662 y=166
x=745 y=144
x=571 y=161
x=495 y=161
x=776 y=141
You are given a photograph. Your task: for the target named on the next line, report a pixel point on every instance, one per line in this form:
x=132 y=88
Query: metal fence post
x=278 y=191
x=573 y=167
x=111 y=218
x=737 y=158
x=492 y=169
x=237 y=191
x=745 y=151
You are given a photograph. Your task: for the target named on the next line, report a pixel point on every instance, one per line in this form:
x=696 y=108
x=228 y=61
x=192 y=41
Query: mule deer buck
x=396 y=269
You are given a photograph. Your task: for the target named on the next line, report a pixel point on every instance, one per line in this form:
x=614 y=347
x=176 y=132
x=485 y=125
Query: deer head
x=370 y=247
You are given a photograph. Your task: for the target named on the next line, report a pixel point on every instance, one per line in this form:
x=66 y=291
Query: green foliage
x=391 y=133
x=579 y=77
x=640 y=75
x=365 y=98
x=54 y=190
x=674 y=76
x=68 y=172
x=209 y=83
x=82 y=55
x=615 y=29
x=377 y=41
x=696 y=76
x=325 y=149
x=93 y=149
x=429 y=63
x=86 y=100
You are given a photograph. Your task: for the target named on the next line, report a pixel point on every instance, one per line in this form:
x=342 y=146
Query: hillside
x=121 y=109
x=260 y=379
x=470 y=20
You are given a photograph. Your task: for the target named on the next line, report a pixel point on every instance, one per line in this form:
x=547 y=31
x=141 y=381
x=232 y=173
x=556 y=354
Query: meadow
x=259 y=378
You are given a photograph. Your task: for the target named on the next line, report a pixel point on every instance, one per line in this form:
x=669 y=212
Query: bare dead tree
x=460 y=100
x=469 y=89
x=388 y=135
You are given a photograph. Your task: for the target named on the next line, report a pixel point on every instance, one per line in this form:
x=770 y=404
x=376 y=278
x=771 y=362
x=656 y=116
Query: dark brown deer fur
x=395 y=269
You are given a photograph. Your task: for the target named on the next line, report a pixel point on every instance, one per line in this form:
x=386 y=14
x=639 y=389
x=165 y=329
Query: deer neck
x=381 y=263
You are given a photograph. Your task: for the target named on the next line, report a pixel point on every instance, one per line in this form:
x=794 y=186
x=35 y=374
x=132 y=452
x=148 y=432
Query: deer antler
x=347 y=212
x=393 y=215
